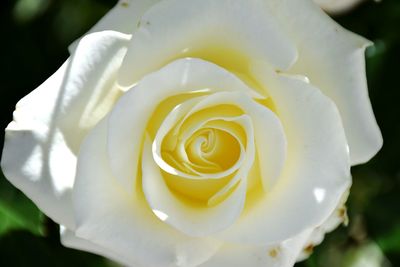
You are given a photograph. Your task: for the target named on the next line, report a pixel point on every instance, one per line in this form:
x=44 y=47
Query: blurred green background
x=35 y=35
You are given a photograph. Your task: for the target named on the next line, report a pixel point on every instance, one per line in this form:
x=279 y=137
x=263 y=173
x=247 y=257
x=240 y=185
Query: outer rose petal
x=90 y=90
x=39 y=155
x=333 y=59
x=338 y=216
x=283 y=254
x=69 y=239
x=316 y=172
x=27 y=150
x=111 y=218
x=171 y=27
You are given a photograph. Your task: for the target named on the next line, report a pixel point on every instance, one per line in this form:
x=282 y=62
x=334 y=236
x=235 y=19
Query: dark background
x=33 y=44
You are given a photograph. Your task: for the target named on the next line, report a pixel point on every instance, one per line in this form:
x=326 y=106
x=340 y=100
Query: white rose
x=198 y=133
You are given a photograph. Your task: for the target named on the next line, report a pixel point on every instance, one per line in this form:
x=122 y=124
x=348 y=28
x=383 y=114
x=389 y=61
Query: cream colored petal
x=30 y=145
x=249 y=155
x=110 y=218
x=338 y=217
x=174 y=121
x=39 y=155
x=239 y=170
x=70 y=240
x=316 y=171
x=269 y=134
x=238 y=255
x=193 y=221
x=90 y=89
x=333 y=59
x=174 y=29
x=129 y=118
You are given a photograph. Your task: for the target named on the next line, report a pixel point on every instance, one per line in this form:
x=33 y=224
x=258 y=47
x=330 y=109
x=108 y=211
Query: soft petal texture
x=179 y=114
x=213 y=218
x=109 y=217
x=82 y=147
x=333 y=59
x=90 y=91
x=191 y=221
x=281 y=255
x=131 y=113
x=29 y=145
x=268 y=132
x=316 y=171
x=69 y=239
x=39 y=155
x=173 y=28
x=338 y=216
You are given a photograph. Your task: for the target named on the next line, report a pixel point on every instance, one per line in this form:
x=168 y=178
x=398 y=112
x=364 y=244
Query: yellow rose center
x=202 y=143
x=205 y=142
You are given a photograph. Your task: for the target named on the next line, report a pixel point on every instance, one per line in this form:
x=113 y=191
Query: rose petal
x=338 y=217
x=316 y=172
x=281 y=255
x=333 y=59
x=181 y=113
x=39 y=155
x=239 y=127
x=69 y=239
x=191 y=221
x=268 y=132
x=184 y=111
x=89 y=90
x=128 y=119
x=169 y=29
x=27 y=158
x=110 y=218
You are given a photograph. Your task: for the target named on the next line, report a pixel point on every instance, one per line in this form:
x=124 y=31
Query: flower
x=198 y=133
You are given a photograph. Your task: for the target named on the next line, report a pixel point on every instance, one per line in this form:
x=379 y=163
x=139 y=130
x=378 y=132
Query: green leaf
x=391 y=241
x=17 y=211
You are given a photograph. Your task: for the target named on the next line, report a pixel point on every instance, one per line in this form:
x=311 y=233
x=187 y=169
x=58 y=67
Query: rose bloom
x=198 y=133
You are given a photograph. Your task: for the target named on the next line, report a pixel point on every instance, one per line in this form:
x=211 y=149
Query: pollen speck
x=309 y=249
x=342 y=213
x=274 y=252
